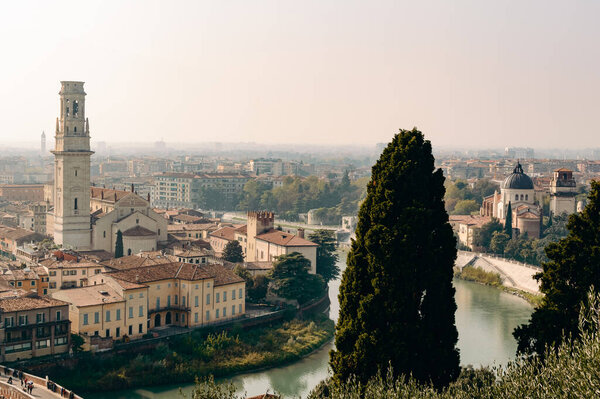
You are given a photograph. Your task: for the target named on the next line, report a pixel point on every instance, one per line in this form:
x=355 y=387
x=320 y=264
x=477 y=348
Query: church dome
x=518 y=180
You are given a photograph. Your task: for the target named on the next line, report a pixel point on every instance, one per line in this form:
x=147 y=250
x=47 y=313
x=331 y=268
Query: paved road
x=39 y=391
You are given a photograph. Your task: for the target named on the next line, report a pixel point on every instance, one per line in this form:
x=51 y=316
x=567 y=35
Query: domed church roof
x=518 y=180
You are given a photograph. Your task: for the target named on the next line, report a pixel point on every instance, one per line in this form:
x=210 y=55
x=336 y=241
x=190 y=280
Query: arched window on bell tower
x=75 y=204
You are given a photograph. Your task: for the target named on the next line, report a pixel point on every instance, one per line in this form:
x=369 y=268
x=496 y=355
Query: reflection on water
x=485 y=320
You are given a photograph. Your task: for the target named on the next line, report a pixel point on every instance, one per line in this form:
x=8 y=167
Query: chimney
x=300 y=232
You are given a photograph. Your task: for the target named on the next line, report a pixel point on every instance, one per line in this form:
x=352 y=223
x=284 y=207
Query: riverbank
x=182 y=359
x=480 y=276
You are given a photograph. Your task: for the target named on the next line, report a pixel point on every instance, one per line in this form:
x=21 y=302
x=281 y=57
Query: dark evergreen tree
x=119 y=245
x=508 y=221
x=290 y=279
x=233 y=252
x=573 y=267
x=327 y=258
x=396 y=297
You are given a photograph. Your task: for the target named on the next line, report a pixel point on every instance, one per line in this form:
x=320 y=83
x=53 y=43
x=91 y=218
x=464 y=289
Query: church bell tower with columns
x=72 y=154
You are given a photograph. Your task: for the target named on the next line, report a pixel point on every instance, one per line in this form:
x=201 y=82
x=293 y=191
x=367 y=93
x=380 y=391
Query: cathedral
x=85 y=217
x=518 y=191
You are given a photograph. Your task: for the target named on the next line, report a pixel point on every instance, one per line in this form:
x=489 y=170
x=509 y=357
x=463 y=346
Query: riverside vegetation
x=198 y=354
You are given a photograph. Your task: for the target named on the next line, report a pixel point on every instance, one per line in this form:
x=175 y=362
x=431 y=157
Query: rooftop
x=29 y=303
x=284 y=239
x=89 y=296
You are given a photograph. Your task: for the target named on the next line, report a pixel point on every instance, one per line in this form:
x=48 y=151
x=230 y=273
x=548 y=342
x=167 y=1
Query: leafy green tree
x=77 y=342
x=257 y=292
x=290 y=279
x=210 y=198
x=327 y=258
x=396 y=297
x=573 y=267
x=233 y=252
x=465 y=207
x=119 y=245
x=242 y=272
x=209 y=389
x=508 y=221
x=252 y=195
x=499 y=242
x=483 y=236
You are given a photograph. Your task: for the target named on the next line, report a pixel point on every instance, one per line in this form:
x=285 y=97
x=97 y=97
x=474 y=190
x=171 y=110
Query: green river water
x=485 y=319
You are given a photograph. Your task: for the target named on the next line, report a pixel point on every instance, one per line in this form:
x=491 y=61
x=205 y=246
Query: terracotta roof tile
x=138 y=231
x=29 y=303
x=284 y=239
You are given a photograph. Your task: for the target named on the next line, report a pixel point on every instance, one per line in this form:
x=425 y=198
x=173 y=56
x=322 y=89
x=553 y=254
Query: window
x=130 y=330
x=224 y=296
x=240 y=293
x=158 y=287
x=196 y=286
x=526 y=197
x=75 y=204
x=19 y=283
x=217 y=298
x=141 y=311
x=140 y=328
x=183 y=301
x=130 y=296
x=60 y=341
x=75 y=169
x=23 y=320
x=196 y=301
x=521 y=197
x=104 y=234
x=97 y=271
x=83 y=272
x=118 y=332
x=85 y=319
x=217 y=314
x=32 y=283
x=176 y=299
x=157 y=303
x=208 y=299
x=196 y=317
x=108 y=315
x=183 y=318
x=232 y=295
x=233 y=310
x=128 y=251
x=130 y=313
x=141 y=294
x=9 y=321
x=53 y=273
x=42 y=344
x=240 y=308
x=118 y=316
x=96 y=317
x=224 y=312
x=40 y=318
x=168 y=300
x=516 y=197
x=58 y=315
x=207 y=315
x=107 y=332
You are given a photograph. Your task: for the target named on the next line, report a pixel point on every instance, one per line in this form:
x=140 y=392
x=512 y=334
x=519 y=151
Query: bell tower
x=72 y=170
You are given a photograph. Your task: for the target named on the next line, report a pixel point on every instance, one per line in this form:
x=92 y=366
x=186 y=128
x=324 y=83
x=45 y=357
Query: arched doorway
x=157 y=320
x=168 y=318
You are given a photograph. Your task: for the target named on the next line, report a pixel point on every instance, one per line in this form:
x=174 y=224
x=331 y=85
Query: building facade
x=71 y=214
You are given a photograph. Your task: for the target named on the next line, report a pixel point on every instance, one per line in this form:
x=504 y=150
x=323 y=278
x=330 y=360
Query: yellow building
x=184 y=294
x=69 y=274
x=109 y=310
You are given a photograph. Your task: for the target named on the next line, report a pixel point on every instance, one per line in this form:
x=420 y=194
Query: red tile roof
x=284 y=239
x=138 y=231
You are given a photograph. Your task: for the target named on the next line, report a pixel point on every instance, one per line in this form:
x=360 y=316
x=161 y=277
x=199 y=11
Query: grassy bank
x=478 y=275
x=198 y=354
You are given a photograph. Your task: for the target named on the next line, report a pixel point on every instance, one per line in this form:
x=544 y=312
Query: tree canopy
x=573 y=267
x=233 y=252
x=119 y=245
x=396 y=297
x=327 y=258
x=290 y=279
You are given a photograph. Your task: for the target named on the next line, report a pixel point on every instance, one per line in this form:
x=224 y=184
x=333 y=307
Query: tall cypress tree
x=119 y=245
x=396 y=297
x=573 y=267
x=508 y=221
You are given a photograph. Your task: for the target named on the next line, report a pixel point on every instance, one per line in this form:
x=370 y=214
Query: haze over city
x=467 y=73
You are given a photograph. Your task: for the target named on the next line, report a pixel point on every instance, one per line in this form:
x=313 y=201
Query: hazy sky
x=478 y=73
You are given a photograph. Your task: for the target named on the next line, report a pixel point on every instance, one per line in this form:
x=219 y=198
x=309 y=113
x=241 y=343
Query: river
x=485 y=319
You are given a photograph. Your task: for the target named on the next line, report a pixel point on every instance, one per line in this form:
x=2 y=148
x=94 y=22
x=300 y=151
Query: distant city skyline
x=469 y=74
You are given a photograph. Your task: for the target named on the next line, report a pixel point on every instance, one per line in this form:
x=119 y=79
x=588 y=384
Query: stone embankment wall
x=513 y=274
x=41 y=387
